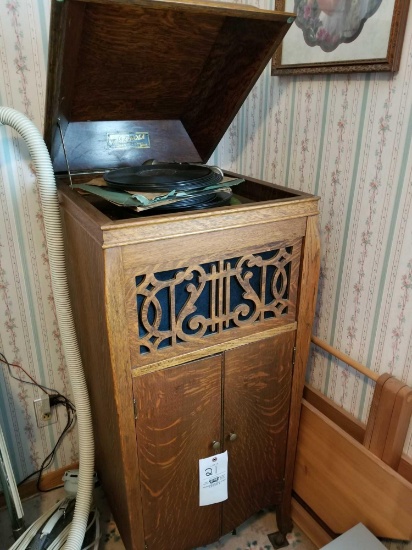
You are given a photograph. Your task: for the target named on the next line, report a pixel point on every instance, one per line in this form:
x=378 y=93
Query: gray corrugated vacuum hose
x=54 y=237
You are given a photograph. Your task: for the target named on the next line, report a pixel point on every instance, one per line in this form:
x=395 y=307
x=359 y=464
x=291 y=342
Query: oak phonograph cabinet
x=194 y=327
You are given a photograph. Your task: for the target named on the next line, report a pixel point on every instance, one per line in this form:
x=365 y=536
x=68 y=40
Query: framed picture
x=341 y=36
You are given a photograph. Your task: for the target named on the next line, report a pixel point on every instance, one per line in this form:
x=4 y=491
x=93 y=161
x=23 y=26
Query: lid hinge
x=294 y=356
x=64 y=148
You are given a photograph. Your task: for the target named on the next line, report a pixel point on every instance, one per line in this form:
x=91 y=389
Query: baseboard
x=49 y=480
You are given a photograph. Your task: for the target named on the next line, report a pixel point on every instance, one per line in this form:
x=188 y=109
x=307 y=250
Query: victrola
x=194 y=327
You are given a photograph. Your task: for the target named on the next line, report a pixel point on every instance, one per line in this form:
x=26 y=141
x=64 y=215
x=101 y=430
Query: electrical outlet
x=44 y=414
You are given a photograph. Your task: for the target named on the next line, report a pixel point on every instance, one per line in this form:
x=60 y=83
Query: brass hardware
x=232 y=436
x=216 y=445
x=294 y=356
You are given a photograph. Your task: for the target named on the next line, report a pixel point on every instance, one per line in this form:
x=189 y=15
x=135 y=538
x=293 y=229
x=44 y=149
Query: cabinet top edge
x=110 y=234
x=226 y=8
x=218 y=212
x=217 y=221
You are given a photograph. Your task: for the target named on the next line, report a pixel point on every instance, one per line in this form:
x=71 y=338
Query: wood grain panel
x=203 y=7
x=256 y=408
x=308 y=289
x=398 y=428
x=344 y=483
x=212 y=350
x=337 y=414
x=137 y=72
x=105 y=370
x=239 y=55
x=187 y=248
x=255 y=217
x=354 y=427
x=405 y=468
x=122 y=416
x=63 y=14
x=83 y=213
x=166 y=61
x=179 y=416
x=390 y=389
x=374 y=410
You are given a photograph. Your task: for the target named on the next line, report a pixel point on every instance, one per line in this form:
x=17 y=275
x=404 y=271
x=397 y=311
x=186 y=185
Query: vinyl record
x=162 y=177
x=114 y=212
x=211 y=200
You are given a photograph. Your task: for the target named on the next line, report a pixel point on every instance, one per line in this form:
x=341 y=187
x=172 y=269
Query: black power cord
x=56 y=399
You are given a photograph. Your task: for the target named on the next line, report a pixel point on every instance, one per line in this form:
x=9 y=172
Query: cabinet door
x=257 y=379
x=179 y=416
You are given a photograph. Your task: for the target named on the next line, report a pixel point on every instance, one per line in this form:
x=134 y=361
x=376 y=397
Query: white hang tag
x=213 y=479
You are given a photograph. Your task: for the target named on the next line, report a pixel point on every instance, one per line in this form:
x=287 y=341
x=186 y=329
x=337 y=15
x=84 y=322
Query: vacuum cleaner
x=51 y=530
x=78 y=510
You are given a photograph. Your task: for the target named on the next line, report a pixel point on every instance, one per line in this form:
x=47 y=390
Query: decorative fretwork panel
x=215 y=300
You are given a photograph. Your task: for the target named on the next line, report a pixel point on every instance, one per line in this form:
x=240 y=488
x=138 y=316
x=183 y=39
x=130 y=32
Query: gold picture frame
x=366 y=62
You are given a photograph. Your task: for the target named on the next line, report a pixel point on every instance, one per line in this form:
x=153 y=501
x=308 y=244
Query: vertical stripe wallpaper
x=29 y=334
x=346 y=138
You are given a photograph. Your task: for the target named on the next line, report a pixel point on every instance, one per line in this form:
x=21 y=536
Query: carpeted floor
x=252 y=535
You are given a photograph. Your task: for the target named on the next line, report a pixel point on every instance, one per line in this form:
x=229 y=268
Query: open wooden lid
x=131 y=80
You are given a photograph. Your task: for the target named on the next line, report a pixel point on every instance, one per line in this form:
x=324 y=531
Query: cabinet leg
x=278 y=540
x=284 y=523
x=283 y=519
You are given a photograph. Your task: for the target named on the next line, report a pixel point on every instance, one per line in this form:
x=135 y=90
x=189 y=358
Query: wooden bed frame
x=348 y=472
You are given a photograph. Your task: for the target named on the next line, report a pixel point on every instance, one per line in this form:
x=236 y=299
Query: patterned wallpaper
x=29 y=334
x=345 y=138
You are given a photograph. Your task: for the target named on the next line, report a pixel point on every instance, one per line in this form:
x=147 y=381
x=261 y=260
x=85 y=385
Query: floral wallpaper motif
x=347 y=139
x=359 y=287
x=398 y=331
x=29 y=333
x=344 y=138
x=304 y=144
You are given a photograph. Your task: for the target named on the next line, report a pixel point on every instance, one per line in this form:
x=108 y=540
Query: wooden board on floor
x=344 y=483
x=304 y=520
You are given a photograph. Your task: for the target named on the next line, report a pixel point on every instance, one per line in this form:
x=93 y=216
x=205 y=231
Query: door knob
x=216 y=445
x=232 y=436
